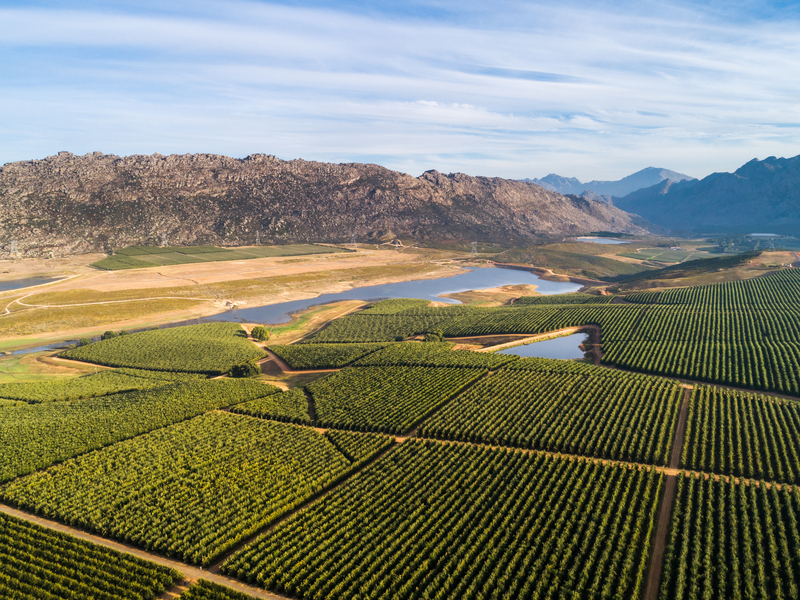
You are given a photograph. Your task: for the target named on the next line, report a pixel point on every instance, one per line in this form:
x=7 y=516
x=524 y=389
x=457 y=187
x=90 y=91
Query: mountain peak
x=761 y=195
x=622 y=187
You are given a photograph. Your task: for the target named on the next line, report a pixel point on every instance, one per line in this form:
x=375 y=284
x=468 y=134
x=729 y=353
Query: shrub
x=247 y=369
x=260 y=333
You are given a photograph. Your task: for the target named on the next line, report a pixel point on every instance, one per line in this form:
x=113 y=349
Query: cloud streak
x=593 y=91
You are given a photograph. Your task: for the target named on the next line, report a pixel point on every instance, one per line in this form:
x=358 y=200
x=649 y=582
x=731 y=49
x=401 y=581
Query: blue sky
x=594 y=90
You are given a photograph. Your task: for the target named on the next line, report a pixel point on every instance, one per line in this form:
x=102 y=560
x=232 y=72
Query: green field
x=322 y=356
x=742 y=333
x=743 y=434
x=210 y=348
x=385 y=399
x=40 y=564
x=731 y=541
x=510 y=478
x=600 y=413
x=575 y=298
x=139 y=257
x=88 y=386
x=35 y=436
x=192 y=490
x=433 y=354
x=290 y=407
x=455 y=522
x=206 y=590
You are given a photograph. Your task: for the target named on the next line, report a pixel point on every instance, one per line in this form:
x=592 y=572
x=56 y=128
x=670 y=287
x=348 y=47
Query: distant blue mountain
x=641 y=179
x=761 y=196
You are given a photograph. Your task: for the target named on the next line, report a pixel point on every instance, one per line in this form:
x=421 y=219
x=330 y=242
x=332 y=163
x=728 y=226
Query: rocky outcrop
x=69 y=204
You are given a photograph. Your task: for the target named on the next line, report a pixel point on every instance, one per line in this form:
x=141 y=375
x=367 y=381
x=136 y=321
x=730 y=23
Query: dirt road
x=660 y=542
x=189 y=572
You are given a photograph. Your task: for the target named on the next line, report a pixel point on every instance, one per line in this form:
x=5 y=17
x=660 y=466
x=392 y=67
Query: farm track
x=189 y=572
x=286 y=369
x=660 y=542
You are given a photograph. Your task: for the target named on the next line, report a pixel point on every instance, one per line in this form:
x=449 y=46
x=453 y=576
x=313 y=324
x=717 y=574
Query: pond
x=601 y=240
x=566 y=348
x=427 y=289
x=16 y=284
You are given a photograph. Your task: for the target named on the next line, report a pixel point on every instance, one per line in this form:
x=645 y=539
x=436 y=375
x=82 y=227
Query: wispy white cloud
x=594 y=91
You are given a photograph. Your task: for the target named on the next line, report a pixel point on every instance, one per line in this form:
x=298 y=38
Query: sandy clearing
x=237 y=270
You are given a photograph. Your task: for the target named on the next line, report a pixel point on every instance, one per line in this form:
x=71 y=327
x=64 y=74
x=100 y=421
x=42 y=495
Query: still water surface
x=567 y=347
x=601 y=240
x=16 y=284
x=427 y=289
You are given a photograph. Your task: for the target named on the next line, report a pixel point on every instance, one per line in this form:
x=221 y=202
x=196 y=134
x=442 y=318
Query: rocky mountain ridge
x=67 y=204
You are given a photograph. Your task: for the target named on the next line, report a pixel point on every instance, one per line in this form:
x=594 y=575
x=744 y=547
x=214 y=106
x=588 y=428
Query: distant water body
x=18 y=284
x=426 y=289
x=601 y=240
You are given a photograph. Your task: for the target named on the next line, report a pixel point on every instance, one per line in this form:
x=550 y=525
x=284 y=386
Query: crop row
x=778 y=289
x=463 y=522
x=290 y=406
x=564 y=299
x=732 y=433
x=752 y=364
x=211 y=348
x=35 y=436
x=385 y=399
x=191 y=490
x=41 y=564
x=729 y=540
x=322 y=356
x=603 y=413
x=433 y=354
x=88 y=386
x=206 y=590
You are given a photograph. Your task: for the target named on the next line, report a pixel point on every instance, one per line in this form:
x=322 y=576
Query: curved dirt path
x=286 y=369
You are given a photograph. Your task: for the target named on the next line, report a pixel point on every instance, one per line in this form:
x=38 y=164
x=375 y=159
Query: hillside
x=68 y=204
x=761 y=196
x=621 y=187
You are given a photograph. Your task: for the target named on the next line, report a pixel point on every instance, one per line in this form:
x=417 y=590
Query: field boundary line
x=189 y=572
x=323 y=493
x=412 y=431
